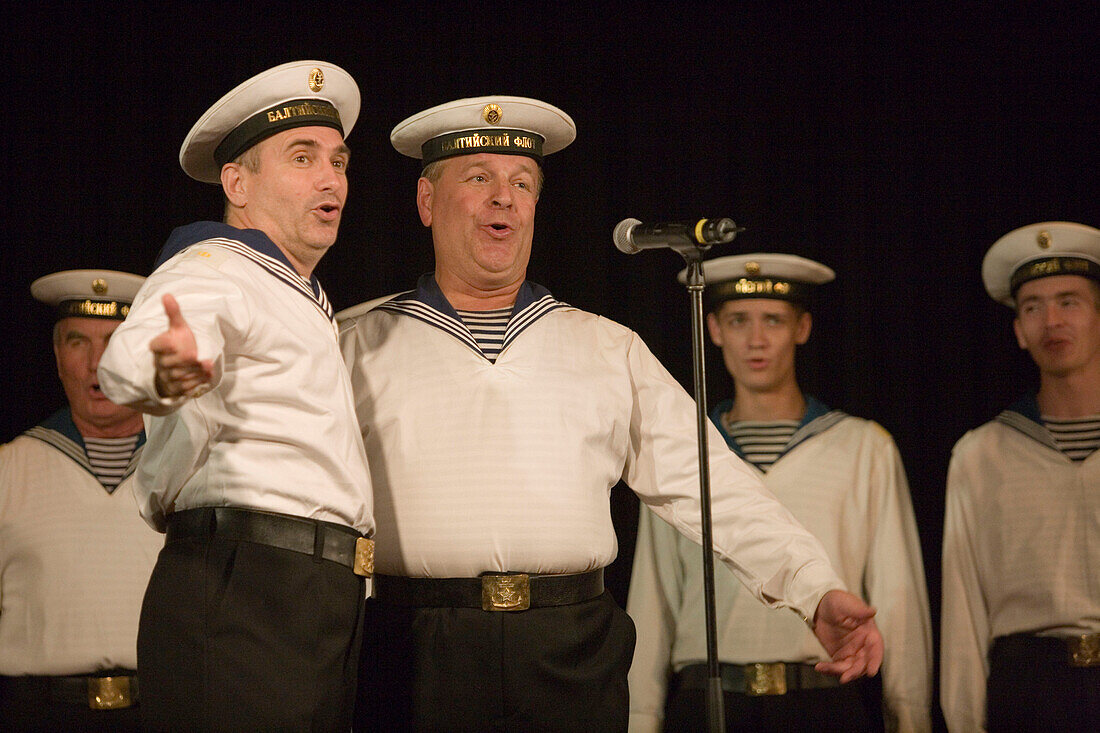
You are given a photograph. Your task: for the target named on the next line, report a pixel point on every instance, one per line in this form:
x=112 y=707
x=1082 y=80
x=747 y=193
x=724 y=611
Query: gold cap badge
x=492 y=114
x=1043 y=239
x=752 y=268
x=99 y=286
x=316 y=80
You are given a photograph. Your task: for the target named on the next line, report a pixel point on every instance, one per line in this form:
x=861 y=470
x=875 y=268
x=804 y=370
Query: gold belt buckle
x=109 y=693
x=364 y=557
x=505 y=592
x=766 y=679
x=1084 y=651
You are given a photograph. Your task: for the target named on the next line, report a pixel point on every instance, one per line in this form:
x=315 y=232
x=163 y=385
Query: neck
x=131 y=425
x=783 y=403
x=1071 y=395
x=302 y=265
x=466 y=296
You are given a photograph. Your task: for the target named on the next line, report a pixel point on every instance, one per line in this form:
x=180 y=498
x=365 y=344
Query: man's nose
x=95 y=355
x=502 y=194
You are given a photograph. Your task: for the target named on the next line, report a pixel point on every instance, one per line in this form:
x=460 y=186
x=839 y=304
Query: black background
x=894 y=144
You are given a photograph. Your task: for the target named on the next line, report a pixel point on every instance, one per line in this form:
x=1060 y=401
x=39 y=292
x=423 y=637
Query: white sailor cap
x=1040 y=250
x=297 y=94
x=88 y=293
x=761 y=275
x=509 y=125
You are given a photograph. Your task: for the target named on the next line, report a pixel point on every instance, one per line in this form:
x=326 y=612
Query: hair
x=433 y=170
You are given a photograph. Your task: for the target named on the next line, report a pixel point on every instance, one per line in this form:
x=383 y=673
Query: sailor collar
x=1025 y=417
x=817 y=419
x=59 y=431
x=253 y=244
x=428 y=304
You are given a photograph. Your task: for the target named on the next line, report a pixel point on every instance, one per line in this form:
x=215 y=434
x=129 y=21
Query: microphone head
x=621 y=236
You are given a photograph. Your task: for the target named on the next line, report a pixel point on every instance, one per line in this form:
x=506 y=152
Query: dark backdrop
x=894 y=145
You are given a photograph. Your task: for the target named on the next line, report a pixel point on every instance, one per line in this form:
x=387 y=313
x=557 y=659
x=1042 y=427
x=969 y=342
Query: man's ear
x=805 y=325
x=1019 y=333
x=233 y=184
x=713 y=329
x=424 y=191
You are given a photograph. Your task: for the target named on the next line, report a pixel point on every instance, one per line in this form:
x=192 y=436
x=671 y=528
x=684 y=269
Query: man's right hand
x=179 y=371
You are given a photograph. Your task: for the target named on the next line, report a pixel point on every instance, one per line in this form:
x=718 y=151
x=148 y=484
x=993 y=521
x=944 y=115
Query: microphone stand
x=716 y=717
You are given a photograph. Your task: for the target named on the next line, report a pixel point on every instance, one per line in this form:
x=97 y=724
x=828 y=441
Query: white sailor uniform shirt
x=508 y=466
x=74 y=558
x=842 y=477
x=1021 y=550
x=277 y=431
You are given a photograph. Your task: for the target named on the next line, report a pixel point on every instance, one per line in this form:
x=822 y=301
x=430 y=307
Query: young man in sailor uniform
x=842 y=477
x=255 y=468
x=1020 y=644
x=496 y=420
x=74 y=555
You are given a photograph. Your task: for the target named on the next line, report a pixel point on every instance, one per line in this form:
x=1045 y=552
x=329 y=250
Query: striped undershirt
x=1077 y=437
x=487 y=328
x=109 y=458
x=762 y=441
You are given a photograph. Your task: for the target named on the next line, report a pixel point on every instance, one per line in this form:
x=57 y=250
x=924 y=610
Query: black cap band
x=112 y=310
x=494 y=140
x=295 y=113
x=1050 y=266
x=757 y=287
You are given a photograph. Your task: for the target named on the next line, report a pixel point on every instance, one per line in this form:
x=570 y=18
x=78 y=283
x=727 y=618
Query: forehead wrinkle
x=313 y=144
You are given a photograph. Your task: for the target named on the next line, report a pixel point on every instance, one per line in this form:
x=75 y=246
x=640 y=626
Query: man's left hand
x=846 y=627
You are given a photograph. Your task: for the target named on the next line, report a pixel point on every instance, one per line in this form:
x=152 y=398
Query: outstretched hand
x=179 y=371
x=845 y=626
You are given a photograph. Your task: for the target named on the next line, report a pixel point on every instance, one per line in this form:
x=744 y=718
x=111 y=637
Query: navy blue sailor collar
x=428 y=304
x=817 y=418
x=59 y=430
x=1024 y=416
x=253 y=244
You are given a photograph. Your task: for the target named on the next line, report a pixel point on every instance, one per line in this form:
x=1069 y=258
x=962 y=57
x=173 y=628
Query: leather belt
x=763 y=678
x=95 y=692
x=322 y=540
x=490 y=591
x=1074 y=651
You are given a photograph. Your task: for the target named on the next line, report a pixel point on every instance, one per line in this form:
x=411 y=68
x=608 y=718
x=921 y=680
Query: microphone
x=632 y=236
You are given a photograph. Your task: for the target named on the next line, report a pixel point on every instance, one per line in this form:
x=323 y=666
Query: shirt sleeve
x=780 y=563
x=211 y=303
x=964 y=638
x=656 y=586
x=895 y=585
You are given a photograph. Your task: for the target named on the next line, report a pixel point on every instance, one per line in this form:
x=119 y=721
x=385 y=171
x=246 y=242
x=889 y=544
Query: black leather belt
x=1074 y=651
x=322 y=540
x=764 y=678
x=490 y=591
x=105 y=691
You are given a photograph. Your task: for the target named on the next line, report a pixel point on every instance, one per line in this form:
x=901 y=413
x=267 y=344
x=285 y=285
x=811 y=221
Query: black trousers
x=464 y=669
x=237 y=636
x=855 y=707
x=27 y=706
x=1031 y=687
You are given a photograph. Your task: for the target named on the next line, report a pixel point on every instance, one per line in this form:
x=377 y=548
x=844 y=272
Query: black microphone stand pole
x=716 y=716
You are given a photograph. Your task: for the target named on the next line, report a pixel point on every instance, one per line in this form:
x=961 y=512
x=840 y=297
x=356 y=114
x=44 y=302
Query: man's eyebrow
x=305 y=142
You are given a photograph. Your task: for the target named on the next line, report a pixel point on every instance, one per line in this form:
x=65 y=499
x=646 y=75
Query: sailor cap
x=88 y=293
x=761 y=275
x=508 y=125
x=296 y=94
x=1040 y=250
